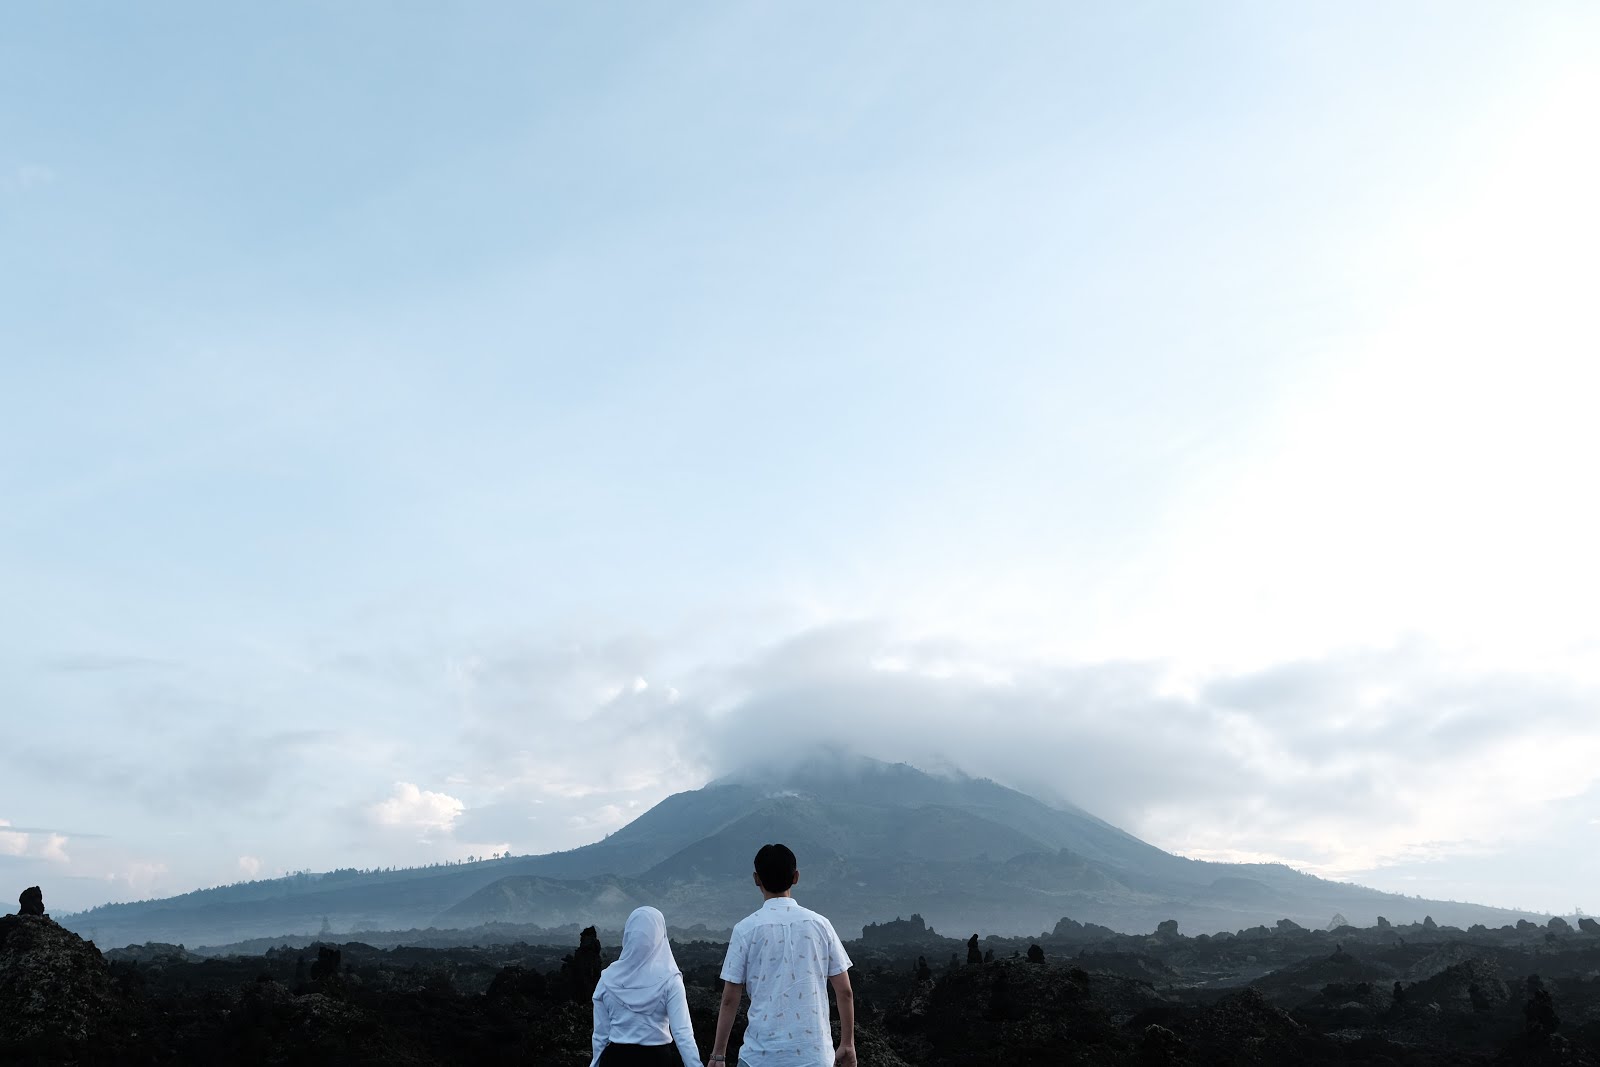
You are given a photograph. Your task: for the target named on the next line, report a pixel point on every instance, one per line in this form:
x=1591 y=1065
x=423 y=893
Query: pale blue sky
x=430 y=433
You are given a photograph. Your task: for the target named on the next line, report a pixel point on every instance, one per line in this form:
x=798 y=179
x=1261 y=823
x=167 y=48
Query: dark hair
x=775 y=866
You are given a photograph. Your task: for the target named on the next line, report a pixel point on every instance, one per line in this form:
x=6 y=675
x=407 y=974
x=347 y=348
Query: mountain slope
x=874 y=840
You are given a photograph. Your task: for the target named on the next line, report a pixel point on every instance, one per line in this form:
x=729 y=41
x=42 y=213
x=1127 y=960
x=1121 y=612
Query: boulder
x=31 y=901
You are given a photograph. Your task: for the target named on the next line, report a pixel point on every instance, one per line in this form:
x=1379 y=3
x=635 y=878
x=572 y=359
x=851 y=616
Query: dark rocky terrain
x=871 y=837
x=1422 y=993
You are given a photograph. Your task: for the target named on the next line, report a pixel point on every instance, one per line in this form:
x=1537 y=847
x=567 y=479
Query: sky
x=426 y=434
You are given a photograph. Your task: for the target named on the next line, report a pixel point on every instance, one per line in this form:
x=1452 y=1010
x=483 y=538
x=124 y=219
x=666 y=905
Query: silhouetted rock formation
x=581 y=970
x=327 y=963
x=974 y=954
x=1035 y=954
x=57 y=1000
x=1588 y=925
x=910 y=931
x=1539 y=1012
x=31 y=901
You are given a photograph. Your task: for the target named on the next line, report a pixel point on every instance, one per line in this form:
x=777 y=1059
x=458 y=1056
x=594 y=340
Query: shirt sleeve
x=733 y=964
x=602 y=1030
x=680 y=1024
x=838 y=959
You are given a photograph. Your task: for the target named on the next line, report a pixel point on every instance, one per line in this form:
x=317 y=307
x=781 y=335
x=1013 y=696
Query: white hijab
x=638 y=979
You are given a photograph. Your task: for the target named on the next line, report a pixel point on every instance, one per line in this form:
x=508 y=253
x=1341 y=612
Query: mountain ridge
x=874 y=840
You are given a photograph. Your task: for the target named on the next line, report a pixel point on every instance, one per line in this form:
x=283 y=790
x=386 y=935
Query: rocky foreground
x=1420 y=994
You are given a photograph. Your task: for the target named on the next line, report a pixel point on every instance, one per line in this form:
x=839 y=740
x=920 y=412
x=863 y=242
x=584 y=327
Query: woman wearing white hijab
x=640 y=1009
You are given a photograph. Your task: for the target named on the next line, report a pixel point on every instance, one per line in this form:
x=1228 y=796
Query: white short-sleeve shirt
x=784 y=956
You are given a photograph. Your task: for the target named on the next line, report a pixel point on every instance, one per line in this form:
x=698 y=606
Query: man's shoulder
x=744 y=925
x=808 y=915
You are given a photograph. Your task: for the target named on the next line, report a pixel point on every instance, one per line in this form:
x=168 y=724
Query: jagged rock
x=1167 y=928
x=327 y=963
x=153 y=954
x=910 y=931
x=1008 y=1012
x=1588 y=925
x=57 y=998
x=1289 y=926
x=581 y=970
x=1539 y=1013
x=31 y=901
x=1160 y=1046
x=1337 y=921
x=1558 y=925
x=1383 y=924
x=1473 y=985
x=1243 y=1028
x=1035 y=954
x=1428 y=923
x=516 y=983
x=974 y=954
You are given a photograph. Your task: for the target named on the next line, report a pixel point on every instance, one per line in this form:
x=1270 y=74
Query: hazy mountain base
x=870 y=837
x=1395 y=995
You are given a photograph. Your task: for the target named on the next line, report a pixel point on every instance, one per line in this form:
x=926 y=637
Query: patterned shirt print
x=784 y=956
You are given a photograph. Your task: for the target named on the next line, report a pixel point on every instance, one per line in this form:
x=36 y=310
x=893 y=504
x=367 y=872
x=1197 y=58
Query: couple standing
x=783 y=955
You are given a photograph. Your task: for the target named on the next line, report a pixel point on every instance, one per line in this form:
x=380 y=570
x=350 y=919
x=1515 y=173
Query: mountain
x=875 y=840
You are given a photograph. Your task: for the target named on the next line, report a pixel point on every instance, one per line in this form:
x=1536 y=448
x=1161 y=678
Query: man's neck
x=787 y=894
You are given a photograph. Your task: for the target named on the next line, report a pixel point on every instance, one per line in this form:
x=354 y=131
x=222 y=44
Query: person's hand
x=845 y=1056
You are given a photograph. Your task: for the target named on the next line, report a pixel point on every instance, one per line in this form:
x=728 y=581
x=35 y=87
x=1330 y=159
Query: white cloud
x=421 y=810
x=142 y=878
x=26 y=844
x=249 y=866
x=1354 y=761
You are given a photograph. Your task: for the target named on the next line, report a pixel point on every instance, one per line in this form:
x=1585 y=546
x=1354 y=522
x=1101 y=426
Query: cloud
x=1355 y=760
x=141 y=878
x=423 y=811
x=1348 y=762
x=249 y=866
x=26 y=843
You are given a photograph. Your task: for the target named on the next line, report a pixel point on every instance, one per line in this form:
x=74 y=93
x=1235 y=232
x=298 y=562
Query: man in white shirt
x=786 y=957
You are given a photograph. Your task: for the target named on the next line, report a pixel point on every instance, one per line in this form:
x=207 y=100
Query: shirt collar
x=780 y=902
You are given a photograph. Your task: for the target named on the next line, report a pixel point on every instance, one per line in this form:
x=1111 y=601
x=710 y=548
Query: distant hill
x=874 y=840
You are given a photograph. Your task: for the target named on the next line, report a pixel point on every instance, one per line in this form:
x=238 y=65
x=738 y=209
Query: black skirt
x=641 y=1056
